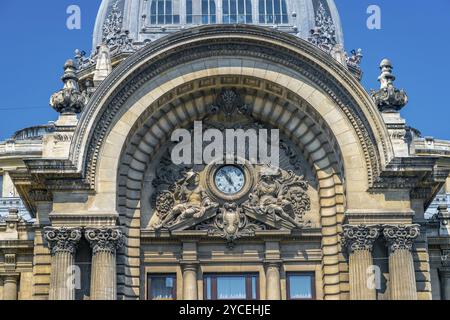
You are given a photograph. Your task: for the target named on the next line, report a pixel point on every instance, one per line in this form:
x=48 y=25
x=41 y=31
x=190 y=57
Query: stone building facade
x=103 y=213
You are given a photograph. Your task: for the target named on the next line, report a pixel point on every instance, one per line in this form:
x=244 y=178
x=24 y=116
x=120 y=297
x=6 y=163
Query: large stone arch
x=144 y=86
x=285 y=110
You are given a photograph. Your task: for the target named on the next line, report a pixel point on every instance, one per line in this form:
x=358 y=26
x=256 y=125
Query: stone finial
x=104 y=65
x=388 y=98
x=69 y=100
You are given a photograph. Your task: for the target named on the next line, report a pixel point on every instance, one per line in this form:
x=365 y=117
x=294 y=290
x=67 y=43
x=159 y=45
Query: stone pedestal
x=62 y=243
x=104 y=243
x=10 y=285
x=359 y=241
x=273 y=285
x=402 y=279
x=190 y=287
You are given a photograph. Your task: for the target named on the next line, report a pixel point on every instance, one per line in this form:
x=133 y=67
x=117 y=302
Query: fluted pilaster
x=104 y=243
x=359 y=241
x=62 y=243
x=402 y=277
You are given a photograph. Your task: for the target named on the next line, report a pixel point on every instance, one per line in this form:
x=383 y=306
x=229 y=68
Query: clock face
x=229 y=179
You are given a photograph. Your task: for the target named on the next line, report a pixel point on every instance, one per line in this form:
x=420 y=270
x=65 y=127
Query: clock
x=229 y=179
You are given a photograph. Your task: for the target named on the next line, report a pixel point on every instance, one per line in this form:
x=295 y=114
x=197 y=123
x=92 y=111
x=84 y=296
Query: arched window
x=237 y=11
x=273 y=11
x=201 y=11
x=165 y=12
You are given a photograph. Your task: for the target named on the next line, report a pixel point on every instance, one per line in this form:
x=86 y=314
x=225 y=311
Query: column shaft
x=402 y=276
x=10 y=287
x=273 y=285
x=190 y=288
x=62 y=242
x=445 y=284
x=104 y=242
x=359 y=240
x=361 y=288
x=103 y=276
x=61 y=286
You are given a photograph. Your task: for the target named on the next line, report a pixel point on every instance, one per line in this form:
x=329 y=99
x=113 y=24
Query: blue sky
x=414 y=36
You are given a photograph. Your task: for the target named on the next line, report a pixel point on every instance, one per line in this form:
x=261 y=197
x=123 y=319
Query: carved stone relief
x=184 y=197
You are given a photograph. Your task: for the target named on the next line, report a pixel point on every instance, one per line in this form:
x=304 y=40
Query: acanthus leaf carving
x=361 y=237
x=401 y=237
x=107 y=239
x=62 y=239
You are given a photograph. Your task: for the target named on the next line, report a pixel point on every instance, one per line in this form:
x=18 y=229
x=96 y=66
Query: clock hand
x=229 y=179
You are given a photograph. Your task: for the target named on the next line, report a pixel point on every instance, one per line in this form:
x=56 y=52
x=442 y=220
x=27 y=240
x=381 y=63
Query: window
x=231 y=287
x=237 y=11
x=208 y=11
x=273 y=11
x=162 y=287
x=165 y=12
x=201 y=11
x=300 y=286
x=1 y=185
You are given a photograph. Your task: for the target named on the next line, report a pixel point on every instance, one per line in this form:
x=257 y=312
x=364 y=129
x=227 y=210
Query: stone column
x=273 y=283
x=445 y=283
x=62 y=243
x=10 y=284
x=104 y=243
x=190 y=288
x=402 y=278
x=359 y=241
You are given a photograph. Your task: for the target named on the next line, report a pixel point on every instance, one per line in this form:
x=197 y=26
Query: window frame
x=263 y=17
x=170 y=14
x=248 y=285
x=161 y=275
x=312 y=276
x=230 y=9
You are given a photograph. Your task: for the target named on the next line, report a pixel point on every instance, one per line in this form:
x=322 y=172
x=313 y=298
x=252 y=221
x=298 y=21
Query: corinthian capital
x=359 y=237
x=104 y=239
x=62 y=239
x=401 y=237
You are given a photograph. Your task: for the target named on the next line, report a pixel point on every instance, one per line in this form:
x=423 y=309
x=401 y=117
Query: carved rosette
x=63 y=239
x=401 y=237
x=104 y=239
x=357 y=238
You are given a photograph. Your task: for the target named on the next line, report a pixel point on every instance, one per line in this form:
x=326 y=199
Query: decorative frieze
x=361 y=237
x=104 y=239
x=401 y=237
x=62 y=239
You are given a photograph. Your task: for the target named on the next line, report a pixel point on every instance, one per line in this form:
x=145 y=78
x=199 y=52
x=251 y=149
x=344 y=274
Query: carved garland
x=339 y=95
